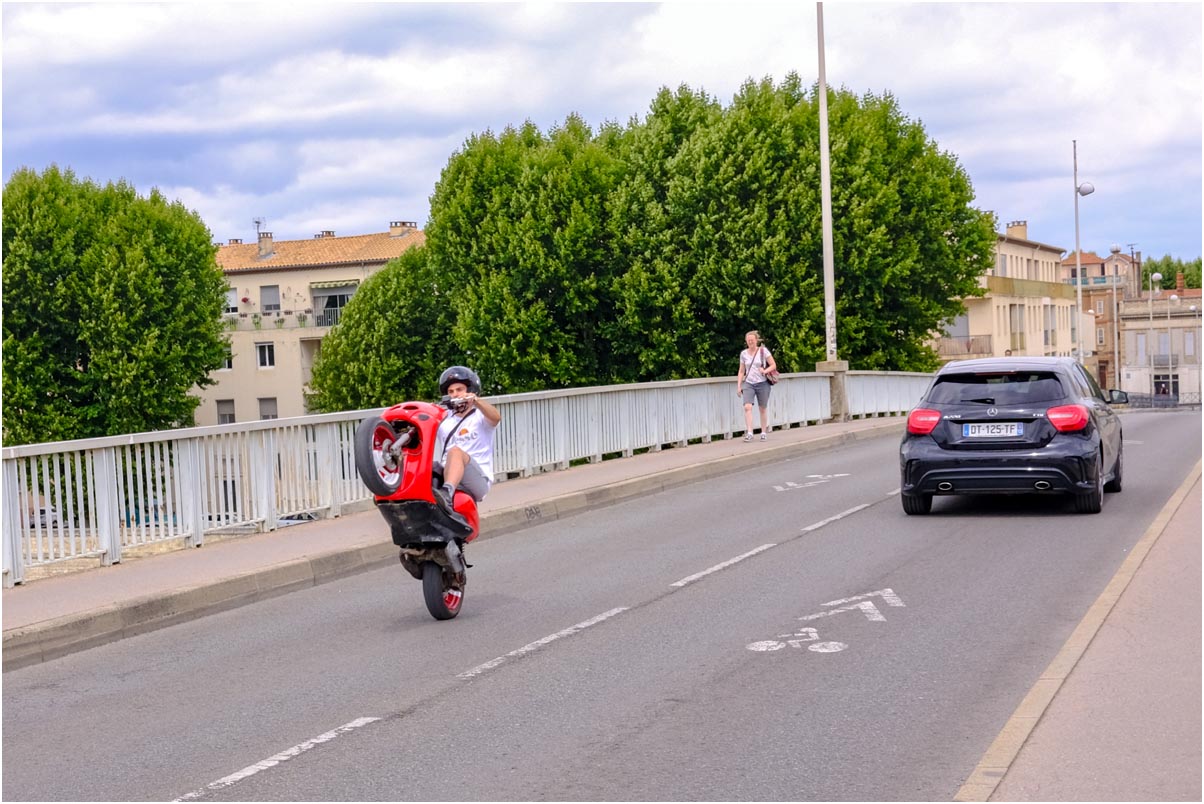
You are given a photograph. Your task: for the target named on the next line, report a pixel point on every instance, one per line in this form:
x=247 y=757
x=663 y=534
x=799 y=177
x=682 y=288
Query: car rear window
x=1011 y=388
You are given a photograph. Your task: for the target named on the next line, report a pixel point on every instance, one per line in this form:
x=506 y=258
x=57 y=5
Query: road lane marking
x=539 y=643
x=273 y=761
x=724 y=565
x=831 y=519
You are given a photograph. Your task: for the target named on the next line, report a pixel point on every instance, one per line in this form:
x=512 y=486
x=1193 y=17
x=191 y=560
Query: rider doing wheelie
x=465 y=437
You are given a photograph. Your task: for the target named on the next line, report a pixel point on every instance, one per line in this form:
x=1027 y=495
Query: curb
x=53 y=639
x=998 y=759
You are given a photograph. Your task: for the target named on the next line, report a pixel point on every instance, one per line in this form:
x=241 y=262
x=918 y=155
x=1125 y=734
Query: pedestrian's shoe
x=748 y=436
x=764 y=437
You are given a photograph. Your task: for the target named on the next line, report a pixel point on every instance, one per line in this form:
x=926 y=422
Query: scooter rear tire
x=443 y=596
x=379 y=472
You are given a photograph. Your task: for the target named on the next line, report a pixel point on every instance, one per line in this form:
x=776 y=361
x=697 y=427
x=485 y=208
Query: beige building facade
x=283 y=298
x=1027 y=309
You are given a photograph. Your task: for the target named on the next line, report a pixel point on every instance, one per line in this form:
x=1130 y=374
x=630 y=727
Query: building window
x=1189 y=343
x=267 y=354
x=269 y=298
x=1099 y=308
x=228 y=363
x=329 y=301
x=225 y=411
x=267 y=408
x=1099 y=336
x=231 y=301
x=1141 y=348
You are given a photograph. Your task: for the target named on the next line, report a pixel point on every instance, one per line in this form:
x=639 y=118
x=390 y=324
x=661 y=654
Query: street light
x=1115 y=316
x=1195 y=314
x=1079 y=189
x=1154 y=277
x=1170 y=374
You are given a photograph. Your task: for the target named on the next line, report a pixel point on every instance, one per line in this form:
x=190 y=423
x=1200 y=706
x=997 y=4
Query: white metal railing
x=96 y=497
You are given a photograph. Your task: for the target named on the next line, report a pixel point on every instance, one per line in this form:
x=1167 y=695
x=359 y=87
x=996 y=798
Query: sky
x=337 y=116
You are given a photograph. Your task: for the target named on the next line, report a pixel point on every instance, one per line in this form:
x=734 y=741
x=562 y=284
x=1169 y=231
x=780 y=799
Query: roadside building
x=284 y=297
x=1027 y=308
x=1107 y=284
x=1160 y=342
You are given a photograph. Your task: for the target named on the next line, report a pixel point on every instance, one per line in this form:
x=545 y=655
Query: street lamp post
x=1079 y=189
x=1195 y=315
x=1154 y=277
x=1115 y=317
x=1170 y=373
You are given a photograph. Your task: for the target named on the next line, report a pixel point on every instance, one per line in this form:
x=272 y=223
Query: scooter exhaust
x=455 y=559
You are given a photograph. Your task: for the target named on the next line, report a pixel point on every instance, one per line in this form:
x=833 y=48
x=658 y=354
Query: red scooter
x=395 y=457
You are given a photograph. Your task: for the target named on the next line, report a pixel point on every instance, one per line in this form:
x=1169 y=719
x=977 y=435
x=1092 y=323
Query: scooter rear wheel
x=379 y=470
x=443 y=594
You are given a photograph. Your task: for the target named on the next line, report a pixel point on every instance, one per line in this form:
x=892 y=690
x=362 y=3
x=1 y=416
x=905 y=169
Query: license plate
x=993 y=430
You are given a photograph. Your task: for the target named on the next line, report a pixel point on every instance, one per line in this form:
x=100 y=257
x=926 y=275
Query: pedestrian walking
x=752 y=382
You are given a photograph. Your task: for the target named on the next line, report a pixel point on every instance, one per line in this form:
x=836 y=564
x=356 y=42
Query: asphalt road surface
x=783 y=633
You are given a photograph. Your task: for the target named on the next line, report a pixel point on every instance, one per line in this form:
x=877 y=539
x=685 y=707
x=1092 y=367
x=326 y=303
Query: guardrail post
x=837 y=391
x=263 y=475
x=108 y=504
x=192 y=490
x=14 y=564
x=327 y=444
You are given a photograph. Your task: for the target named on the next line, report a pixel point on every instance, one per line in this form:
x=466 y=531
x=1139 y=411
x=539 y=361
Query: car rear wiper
x=986 y=400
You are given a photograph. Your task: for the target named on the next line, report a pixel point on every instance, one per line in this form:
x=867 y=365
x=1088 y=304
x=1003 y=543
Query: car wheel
x=1117 y=481
x=1093 y=501
x=916 y=503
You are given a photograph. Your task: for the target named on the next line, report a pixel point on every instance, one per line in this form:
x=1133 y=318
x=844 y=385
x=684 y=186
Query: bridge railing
x=96 y=498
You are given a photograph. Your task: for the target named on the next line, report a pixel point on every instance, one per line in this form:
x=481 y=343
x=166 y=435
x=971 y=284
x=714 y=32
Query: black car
x=1012 y=425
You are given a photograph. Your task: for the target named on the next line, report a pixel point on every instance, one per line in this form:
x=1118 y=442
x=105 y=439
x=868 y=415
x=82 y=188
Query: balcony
x=285 y=319
x=960 y=347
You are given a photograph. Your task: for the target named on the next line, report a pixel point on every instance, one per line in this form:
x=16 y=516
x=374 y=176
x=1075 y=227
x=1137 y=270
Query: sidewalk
x=55 y=616
x=1116 y=715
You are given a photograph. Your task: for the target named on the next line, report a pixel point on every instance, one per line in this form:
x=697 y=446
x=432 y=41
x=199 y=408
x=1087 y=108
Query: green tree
x=112 y=309
x=1171 y=267
x=391 y=342
x=533 y=249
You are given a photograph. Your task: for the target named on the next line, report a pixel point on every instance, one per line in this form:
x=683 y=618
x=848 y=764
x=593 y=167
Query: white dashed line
x=539 y=643
x=831 y=519
x=724 y=565
x=273 y=761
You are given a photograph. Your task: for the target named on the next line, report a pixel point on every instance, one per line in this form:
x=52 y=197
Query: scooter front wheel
x=443 y=592
x=378 y=467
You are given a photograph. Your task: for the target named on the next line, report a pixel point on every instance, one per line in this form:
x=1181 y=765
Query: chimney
x=265 y=244
x=327 y=233
x=1018 y=229
x=235 y=241
x=401 y=228
x=1180 y=283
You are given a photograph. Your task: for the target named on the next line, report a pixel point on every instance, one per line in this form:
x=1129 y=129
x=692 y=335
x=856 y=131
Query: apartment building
x=1159 y=342
x=1027 y=309
x=1107 y=283
x=283 y=298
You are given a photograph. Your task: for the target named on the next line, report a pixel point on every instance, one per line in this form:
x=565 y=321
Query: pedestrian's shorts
x=758 y=391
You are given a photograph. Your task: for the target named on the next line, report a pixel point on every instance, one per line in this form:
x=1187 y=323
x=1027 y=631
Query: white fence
x=96 y=497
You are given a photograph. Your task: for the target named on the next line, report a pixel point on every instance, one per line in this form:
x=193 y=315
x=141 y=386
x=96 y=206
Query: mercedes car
x=1013 y=425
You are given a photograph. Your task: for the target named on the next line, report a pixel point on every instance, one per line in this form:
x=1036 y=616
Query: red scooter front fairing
x=412 y=512
x=395 y=457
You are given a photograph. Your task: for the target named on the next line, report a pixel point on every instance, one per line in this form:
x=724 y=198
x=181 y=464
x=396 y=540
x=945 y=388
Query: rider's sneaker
x=444 y=495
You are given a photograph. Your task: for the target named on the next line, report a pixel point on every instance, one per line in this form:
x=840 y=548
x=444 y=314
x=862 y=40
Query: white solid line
x=539 y=643
x=831 y=519
x=283 y=756
x=724 y=565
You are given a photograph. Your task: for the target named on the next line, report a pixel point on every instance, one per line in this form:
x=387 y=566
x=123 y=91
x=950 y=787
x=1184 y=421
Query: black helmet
x=460 y=374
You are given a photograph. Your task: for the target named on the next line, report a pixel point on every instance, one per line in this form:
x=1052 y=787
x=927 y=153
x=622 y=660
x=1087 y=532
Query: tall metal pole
x=825 y=174
x=1078 y=258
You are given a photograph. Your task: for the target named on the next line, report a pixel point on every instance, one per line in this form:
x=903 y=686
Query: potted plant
x=279 y=323
x=257 y=320
x=301 y=319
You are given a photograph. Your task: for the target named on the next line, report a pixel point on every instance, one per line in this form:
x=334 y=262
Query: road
x=784 y=633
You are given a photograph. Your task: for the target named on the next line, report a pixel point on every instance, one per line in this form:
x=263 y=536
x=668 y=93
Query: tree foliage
x=1170 y=268
x=390 y=343
x=645 y=251
x=112 y=309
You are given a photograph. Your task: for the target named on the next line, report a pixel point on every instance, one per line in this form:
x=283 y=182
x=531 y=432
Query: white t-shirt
x=473 y=434
x=754 y=365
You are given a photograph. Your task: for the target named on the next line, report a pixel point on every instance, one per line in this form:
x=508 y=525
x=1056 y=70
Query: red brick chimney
x=1180 y=282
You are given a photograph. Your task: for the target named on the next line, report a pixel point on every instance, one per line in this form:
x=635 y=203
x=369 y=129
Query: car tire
x=916 y=504
x=1093 y=501
x=1117 y=482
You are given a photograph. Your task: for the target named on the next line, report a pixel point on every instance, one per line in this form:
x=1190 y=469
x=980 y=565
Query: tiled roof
x=320 y=251
x=1088 y=258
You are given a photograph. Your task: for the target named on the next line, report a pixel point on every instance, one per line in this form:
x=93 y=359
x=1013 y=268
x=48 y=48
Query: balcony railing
x=286 y=319
x=964 y=345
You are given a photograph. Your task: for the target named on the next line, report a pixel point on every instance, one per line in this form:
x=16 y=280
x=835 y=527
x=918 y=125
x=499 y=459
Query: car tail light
x=1068 y=418
x=922 y=421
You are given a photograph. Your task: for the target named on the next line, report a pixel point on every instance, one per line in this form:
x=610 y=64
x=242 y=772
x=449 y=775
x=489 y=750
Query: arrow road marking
x=815 y=481
x=866 y=606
